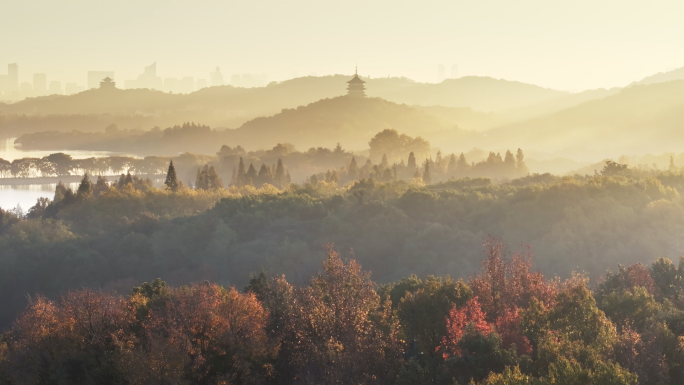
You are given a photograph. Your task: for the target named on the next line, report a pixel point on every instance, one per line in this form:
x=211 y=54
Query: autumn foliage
x=506 y=325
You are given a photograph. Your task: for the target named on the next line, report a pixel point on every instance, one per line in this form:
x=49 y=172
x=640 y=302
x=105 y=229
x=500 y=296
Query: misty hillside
x=479 y=93
x=556 y=104
x=639 y=119
x=662 y=77
x=350 y=121
x=464 y=117
x=229 y=107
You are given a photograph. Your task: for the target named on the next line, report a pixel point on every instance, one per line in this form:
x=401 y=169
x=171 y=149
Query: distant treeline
x=506 y=325
x=410 y=159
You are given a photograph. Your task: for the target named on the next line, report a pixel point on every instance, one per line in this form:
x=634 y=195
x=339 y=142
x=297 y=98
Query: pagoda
x=107 y=83
x=356 y=88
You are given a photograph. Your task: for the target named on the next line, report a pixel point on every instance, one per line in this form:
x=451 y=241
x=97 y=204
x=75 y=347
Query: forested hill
x=663 y=77
x=639 y=119
x=479 y=93
x=229 y=107
x=350 y=121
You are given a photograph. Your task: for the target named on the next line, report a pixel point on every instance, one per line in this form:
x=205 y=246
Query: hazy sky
x=570 y=45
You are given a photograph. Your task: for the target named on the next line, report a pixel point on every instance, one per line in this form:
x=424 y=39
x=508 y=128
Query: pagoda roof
x=356 y=80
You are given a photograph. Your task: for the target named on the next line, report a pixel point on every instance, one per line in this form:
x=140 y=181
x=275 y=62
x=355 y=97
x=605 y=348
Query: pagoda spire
x=356 y=88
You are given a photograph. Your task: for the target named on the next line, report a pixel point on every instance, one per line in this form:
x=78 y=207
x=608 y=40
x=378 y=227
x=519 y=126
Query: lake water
x=10 y=153
x=26 y=195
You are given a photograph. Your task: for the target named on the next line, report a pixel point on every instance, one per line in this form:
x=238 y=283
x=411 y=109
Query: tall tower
x=356 y=88
x=454 y=71
x=12 y=77
x=441 y=73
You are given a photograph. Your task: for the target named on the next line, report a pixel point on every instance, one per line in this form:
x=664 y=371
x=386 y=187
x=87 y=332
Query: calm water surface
x=26 y=195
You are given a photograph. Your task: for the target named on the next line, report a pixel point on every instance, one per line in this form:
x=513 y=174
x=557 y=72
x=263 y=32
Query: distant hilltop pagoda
x=356 y=88
x=107 y=84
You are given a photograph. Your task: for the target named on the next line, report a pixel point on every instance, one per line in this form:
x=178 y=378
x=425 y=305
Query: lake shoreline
x=64 y=179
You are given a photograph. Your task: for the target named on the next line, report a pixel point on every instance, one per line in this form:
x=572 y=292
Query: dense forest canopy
x=506 y=324
x=111 y=234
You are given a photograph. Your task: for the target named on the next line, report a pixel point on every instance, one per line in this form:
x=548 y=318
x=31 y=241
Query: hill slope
x=639 y=119
x=351 y=121
x=662 y=77
x=228 y=106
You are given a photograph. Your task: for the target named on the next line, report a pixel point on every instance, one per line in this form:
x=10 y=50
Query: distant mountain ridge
x=662 y=77
x=638 y=119
x=228 y=106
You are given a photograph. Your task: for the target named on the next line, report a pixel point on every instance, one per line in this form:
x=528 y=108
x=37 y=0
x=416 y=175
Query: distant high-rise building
x=39 y=84
x=201 y=83
x=95 y=77
x=454 y=71
x=441 y=73
x=186 y=85
x=147 y=79
x=216 y=78
x=236 y=80
x=55 y=88
x=12 y=77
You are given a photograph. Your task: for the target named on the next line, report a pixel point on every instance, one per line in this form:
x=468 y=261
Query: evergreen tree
x=215 y=182
x=100 y=186
x=509 y=160
x=241 y=174
x=384 y=163
x=462 y=163
x=265 y=175
x=129 y=179
x=280 y=174
x=251 y=175
x=313 y=180
x=201 y=181
x=85 y=189
x=60 y=190
x=287 y=177
x=171 y=181
x=353 y=169
x=334 y=177
x=208 y=179
x=427 y=174
x=411 y=161
x=233 y=177
x=451 y=169
x=520 y=159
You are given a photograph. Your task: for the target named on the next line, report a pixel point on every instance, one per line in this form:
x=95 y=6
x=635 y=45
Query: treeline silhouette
x=506 y=324
x=410 y=157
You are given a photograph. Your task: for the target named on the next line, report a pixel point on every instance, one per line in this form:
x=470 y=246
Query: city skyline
x=574 y=46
